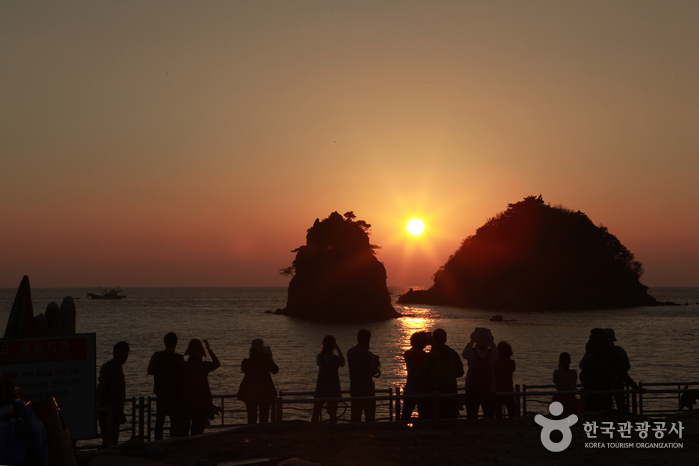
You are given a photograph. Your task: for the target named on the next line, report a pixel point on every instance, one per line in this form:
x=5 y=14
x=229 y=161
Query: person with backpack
x=481 y=354
x=443 y=368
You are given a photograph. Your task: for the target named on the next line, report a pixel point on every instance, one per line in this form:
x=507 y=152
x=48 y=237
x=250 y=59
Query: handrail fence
x=651 y=400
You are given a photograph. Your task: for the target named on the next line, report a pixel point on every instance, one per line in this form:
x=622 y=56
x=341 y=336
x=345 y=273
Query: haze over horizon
x=172 y=143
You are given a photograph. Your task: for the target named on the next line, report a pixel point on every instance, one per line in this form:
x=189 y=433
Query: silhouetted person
x=363 y=367
x=166 y=368
x=597 y=370
x=257 y=389
x=111 y=394
x=565 y=379
x=503 y=371
x=444 y=366
x=481 y=355
x=328 y=382
x=197 y=406
x=621 y=373
x=416 y=383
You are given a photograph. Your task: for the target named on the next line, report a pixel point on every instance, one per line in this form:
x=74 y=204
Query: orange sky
x=173 y=143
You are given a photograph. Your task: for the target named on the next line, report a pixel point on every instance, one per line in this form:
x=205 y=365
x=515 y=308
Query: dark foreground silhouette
x=534 y=256
x=336 y=275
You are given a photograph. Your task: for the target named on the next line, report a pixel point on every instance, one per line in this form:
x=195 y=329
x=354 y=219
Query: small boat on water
x=107 y=294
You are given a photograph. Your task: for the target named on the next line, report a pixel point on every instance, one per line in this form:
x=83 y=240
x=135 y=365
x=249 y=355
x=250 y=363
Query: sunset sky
x=181 y=143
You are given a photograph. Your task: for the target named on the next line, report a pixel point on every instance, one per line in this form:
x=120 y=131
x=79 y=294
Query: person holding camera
x=257 y=389
x=363 y=367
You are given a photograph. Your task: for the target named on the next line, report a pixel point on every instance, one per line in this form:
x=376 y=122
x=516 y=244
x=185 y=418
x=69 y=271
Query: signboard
x=58 y=367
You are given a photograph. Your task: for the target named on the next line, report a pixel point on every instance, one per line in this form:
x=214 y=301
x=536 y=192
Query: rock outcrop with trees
x=535 y=256
x=336 y=275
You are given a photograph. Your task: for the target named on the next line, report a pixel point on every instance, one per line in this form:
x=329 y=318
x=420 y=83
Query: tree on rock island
x=336 y=275
x=535 y=256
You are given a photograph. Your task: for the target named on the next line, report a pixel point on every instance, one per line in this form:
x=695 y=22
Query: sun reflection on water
x=415 y=319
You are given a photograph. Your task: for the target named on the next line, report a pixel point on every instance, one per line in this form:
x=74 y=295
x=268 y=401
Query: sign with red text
x=62 y=367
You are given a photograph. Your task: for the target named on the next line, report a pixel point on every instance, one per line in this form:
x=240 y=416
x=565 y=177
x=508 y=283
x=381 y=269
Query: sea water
x=660 y=341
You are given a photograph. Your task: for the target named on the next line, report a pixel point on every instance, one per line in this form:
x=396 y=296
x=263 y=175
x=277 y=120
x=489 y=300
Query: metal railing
x=652 y=400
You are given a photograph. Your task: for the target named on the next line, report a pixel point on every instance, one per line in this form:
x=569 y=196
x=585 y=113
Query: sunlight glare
x=416 y=226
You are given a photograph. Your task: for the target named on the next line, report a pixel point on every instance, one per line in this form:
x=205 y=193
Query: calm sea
x=661 y=341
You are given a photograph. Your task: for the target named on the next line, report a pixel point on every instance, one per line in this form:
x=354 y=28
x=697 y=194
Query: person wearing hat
x=481 y=354
x=111 y=394
x=197 y=407
x=257 y=389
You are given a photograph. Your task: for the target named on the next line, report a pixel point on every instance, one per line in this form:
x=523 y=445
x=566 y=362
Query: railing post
x=398 y=410
x=141 y=418
x=435 y=405
x=280 y=408
x=390 y=404
x=640 y=399
x=223 y=410
x=517 y=400
x=150 y=419
x=133 y=417
x=634 y=402
x=524 y=399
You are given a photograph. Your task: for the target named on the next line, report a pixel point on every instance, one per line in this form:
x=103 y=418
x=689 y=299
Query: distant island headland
x=534 y=256
x=336 y=276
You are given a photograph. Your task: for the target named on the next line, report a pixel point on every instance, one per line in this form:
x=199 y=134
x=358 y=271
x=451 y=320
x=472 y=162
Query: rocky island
x=336 y=276
x=535 y=256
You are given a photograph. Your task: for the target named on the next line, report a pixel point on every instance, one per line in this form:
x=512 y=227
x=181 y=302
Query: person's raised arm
x=215 y=360
x=339 y=353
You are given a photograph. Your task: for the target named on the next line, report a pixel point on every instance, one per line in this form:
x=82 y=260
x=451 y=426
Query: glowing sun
x=416 y=226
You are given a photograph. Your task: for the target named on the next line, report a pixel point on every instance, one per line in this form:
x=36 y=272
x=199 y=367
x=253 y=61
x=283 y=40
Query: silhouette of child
x=565 y=379
x=328 y=382
x=503 y=370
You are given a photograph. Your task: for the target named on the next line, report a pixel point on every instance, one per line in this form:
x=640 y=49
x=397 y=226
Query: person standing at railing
x=111 y=394
x=444 y=367
x=197 y=406
x=328 y=382
x=504 y=369
x=621 y=374
x=416 y=383
x=166 y=368
x=481 y=355
x=257 y=389
x=565 y=379
x=363 y=367
x=597 y=369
